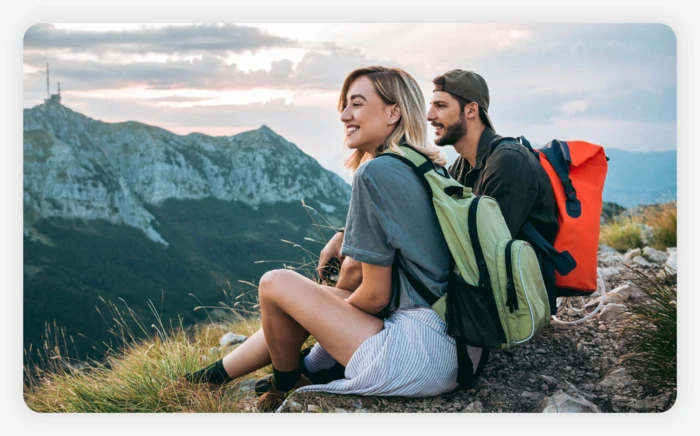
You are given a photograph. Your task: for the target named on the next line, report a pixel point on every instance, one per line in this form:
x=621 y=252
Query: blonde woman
x=392 y=231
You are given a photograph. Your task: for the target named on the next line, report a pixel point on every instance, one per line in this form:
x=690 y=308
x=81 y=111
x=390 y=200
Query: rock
x=360 y=410
x=607 y=273
x=535 y=396
x=549 y=379
x=357 y=404
x=247 y=385
x=231 y=338
x=293 y=406
x=654 y=255
x=313 y=408
x=628 y=291
x=631 y=254
x=671 y=266
x=214 y=350
x=228 y=349
x=339 y=410
x=610 y=259
x=561 y=402
x=613 y=312
x=606 y=249
x=670 y=250
x=640 y=261
x=647 y=235
x=617 y=378
x=475 y=407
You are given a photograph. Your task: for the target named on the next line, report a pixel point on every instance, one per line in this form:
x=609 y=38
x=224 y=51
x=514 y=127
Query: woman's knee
x=272 y=282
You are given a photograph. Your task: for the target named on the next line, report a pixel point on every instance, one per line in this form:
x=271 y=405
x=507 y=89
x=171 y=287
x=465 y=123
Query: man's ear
x=394 y=115
x=471 y=110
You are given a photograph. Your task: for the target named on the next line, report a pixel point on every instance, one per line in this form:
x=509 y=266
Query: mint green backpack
x=496 y=297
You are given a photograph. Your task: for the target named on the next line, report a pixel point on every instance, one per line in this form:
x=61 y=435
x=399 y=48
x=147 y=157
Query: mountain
x=640 y=178
x=127 y=213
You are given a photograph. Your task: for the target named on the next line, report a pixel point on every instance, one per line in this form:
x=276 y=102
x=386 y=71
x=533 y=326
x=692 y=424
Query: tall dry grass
x=624 y=231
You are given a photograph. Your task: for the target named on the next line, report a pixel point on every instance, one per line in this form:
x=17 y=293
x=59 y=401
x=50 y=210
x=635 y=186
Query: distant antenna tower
x=55 y=98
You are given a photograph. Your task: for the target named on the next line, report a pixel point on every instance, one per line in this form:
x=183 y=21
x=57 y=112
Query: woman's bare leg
x=292 y=306
x=253 y=354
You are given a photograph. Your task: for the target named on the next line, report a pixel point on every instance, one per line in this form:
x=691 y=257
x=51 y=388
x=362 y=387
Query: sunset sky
x=613 y=84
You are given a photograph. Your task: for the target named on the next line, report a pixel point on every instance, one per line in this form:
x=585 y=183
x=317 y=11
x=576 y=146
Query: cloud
x=197 y=38
x=507 y=38
x=575 y=106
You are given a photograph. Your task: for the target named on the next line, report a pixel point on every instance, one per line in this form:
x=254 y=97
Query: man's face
x=449 y=122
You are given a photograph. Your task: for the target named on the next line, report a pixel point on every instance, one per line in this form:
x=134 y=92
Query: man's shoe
x=273 y=398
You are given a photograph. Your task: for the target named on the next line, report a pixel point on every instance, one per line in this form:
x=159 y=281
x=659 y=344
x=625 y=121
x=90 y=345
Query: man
x=500 y=168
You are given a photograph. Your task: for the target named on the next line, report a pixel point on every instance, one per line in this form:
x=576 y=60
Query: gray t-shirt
x=390 y=212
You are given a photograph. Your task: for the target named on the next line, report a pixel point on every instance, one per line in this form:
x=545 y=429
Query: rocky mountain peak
x=76 y=167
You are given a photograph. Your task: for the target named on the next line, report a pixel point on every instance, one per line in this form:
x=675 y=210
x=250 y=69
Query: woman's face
x=368 y=120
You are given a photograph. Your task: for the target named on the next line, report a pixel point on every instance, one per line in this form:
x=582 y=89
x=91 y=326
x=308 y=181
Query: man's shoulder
x=513 y=152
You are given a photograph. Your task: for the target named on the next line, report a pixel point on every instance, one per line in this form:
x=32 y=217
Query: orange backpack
x=577 y=171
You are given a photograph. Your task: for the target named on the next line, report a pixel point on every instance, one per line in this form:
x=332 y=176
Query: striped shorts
x=411 y=357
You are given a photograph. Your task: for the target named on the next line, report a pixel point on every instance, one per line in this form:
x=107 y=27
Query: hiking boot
x=273 y=398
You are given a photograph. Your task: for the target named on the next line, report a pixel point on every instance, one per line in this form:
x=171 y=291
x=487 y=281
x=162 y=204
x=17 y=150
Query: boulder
x=608 y=273
x=647 y=235
x=625 y=292
x=617 y=378
x=654 y=255
x=631 y=254
x=602 y=248
x=610 y=259
x=640 y=261
x=247 y=385
x=671 y=266
x=613 y=312
x=231 y=338
x=475 y=407
x=561 y=402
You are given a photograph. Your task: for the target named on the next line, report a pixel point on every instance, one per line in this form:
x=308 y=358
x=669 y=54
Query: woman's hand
x=331 y=250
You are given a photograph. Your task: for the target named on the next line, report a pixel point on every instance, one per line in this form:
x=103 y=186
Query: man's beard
x=453 y=133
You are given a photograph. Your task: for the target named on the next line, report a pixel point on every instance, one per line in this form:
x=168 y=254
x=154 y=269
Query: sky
x=611 y=84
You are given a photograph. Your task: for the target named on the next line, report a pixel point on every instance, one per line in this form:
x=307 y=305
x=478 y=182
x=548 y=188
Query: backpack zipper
x=512 y=299
x=484 y=277
x=529 y=305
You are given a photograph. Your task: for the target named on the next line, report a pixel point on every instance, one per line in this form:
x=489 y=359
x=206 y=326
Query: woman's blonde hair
x=395 y=86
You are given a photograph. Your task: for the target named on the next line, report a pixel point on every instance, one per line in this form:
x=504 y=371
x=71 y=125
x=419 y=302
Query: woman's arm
x=350 y=276
x=374 y=293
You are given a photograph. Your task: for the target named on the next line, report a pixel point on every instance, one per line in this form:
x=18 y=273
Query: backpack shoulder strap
x=558 y=155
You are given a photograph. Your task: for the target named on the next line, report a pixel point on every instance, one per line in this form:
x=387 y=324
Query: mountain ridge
x=80 y=168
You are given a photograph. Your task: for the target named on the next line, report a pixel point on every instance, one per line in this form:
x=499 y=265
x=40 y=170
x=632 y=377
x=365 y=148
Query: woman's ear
x=394 y=115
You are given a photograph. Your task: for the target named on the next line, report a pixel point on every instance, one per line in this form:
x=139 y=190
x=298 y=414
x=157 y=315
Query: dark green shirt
x=511 y=174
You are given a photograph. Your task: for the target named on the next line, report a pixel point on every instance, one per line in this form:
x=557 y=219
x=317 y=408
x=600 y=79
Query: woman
x=391 y=222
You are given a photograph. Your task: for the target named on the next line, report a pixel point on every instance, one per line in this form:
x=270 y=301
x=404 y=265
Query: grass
x=143 y=376
x=626 y=231
x=651 y=331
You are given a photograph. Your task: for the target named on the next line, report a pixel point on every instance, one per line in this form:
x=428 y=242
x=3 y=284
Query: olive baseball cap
x=468 y=85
